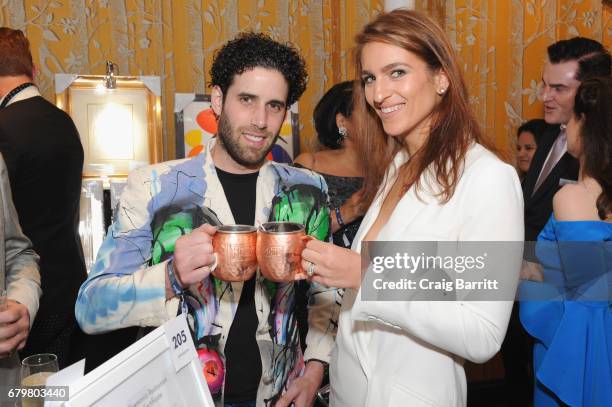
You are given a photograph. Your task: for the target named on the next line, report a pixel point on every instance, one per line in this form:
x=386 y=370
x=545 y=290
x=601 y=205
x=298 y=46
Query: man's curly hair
x=252 y=50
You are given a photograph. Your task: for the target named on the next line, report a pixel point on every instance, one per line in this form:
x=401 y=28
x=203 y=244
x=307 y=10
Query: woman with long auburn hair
x=430 y=175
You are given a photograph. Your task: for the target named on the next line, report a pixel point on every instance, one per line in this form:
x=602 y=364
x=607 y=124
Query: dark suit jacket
x=538 y=207
x=44 y=157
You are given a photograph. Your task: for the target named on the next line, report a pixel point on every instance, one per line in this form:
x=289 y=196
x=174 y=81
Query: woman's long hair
x=594 y=107
x=453 y=126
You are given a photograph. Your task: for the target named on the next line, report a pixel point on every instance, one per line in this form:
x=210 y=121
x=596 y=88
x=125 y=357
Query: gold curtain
x=502 y=44
x=176 y=40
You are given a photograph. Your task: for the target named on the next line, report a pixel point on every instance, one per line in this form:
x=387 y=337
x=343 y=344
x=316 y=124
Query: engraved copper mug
x=279 y=250
x=234 y=247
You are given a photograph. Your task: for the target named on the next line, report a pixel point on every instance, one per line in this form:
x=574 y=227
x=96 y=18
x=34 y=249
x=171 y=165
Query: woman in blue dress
x=569 y=314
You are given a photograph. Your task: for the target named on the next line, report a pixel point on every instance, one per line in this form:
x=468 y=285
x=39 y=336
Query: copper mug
x=279 y=250
x=234 y=248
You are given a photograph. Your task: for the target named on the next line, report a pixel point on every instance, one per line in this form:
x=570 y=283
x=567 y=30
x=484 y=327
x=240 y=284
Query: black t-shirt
x=242 y=359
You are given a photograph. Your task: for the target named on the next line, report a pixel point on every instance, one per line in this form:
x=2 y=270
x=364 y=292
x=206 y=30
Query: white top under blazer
x=411 y=353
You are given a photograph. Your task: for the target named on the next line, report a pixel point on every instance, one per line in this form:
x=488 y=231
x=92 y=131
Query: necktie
x=556 y=152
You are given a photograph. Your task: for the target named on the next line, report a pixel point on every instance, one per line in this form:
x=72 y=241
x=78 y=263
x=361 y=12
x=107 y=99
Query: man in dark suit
x=44 y=156
x=569 y=63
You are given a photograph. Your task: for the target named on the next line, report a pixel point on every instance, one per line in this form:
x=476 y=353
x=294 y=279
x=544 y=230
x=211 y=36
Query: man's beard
x=247 y=157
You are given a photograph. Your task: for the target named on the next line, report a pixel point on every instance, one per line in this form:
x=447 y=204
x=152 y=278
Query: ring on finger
x=311 y=269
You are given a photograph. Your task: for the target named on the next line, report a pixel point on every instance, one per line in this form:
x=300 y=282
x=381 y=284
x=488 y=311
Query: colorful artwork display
x=196 y=123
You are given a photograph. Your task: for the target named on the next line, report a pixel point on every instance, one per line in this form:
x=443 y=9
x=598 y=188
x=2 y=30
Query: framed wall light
x=118 y=118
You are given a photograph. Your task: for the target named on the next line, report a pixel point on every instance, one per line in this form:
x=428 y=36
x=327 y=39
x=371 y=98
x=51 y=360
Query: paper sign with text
x=181 y=344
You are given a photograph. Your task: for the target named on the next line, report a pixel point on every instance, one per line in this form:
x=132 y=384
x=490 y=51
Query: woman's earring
x=441 y=91
x=342 y=131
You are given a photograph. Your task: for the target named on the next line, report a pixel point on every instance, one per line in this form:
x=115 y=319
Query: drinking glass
x=35 y=370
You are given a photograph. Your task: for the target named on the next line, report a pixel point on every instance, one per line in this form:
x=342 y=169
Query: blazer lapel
x=405 y=212
x=214 y=195
x=374 y=209
x=537 y=163
x=552 y=181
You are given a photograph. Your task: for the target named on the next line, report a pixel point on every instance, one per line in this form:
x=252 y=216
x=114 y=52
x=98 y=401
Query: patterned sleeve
x=305 y=200
x=324 y=302
x=323 y=311
x=122 y=289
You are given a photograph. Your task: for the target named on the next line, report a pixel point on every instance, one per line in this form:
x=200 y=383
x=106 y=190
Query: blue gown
x=572 y=329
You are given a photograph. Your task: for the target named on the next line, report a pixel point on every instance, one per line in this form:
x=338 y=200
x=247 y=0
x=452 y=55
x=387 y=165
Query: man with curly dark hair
x=251 y=50
x=158 y=254
x=255 y=56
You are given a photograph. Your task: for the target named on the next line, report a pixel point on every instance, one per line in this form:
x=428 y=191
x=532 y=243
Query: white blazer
x=411 y=353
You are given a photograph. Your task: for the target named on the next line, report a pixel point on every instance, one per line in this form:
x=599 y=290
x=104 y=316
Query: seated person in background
x=339 y=163
x=572 y=355
x=158 y=254
x=19 y=274
x=527 y=143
